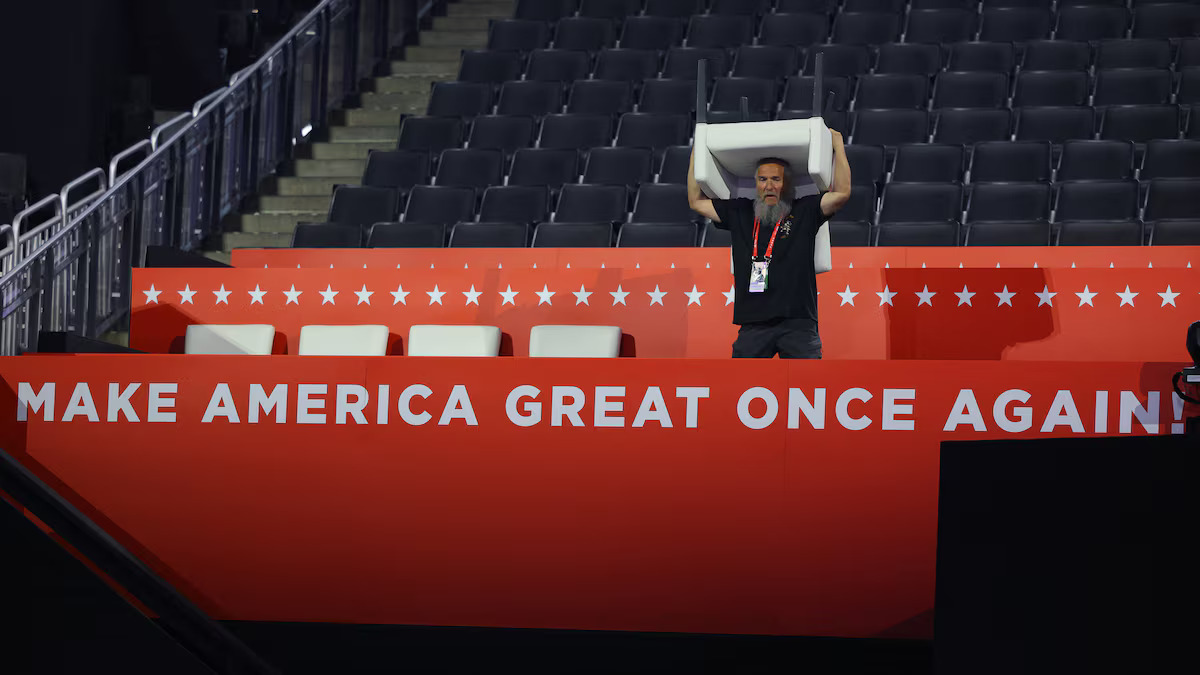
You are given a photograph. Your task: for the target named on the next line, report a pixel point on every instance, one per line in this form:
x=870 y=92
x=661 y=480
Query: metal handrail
x=140 y=146
x=169 y=124
x=96 y=174
x=21 y=217
x=204 y=101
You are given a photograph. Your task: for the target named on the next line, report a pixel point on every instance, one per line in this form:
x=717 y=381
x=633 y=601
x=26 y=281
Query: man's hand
x=839 y=190
x=696 y=199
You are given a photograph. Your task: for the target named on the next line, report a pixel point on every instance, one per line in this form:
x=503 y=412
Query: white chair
x=365 y=340
x=433 y=340
x=575 y=341
x=254 y=338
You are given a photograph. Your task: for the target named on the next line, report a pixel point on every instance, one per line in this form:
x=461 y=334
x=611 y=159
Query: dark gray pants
x=790 y=338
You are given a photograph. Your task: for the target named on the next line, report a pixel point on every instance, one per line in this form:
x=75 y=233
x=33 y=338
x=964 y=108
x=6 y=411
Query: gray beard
x=771 y=213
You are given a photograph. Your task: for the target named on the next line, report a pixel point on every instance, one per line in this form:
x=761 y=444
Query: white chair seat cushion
x=435 y=340
x=575 y=341
x=254 y=339
x=364 y=340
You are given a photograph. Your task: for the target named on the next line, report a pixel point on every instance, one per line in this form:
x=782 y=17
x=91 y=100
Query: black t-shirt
x=791 y=278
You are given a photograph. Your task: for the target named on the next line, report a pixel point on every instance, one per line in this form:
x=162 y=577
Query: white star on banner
x=656 y=296
x=1046 y=297
x=964 y=297
x=618 y=296
x=694 y=296
x=1126 y=297
x=1004 y=297
x=1085 y=297
x=185 y=296
x=582 y=295
x=364 y=296
x=400 y=295
x=293 y=296
x=1168 y=298
x=847 y=296
x=728 y=295
x=925 y=296
x=152 y=295
x=256 y=295
x=328 y=295
x=509 y=296
x=472 y=296
x=222 y=295
x=885 y=296
x=435 y=295
x=544 y=295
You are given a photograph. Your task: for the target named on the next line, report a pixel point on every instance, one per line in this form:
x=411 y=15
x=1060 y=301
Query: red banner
x=1011 y=314
x=698 y=496
x=1125 y=257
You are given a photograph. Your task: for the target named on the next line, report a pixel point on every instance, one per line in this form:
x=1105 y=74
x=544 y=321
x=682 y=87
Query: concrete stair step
x=345 y=149
x=294 y=205
x=425 y=54
x=377 y=134
x=291 y=186
x=495 y=10
x=219 y=256
x=340 y=168
x=411 y=84
x=258 y=223
x=232 y=240
x=117 y=337
x=433 y=69
x=459 y=39
x=380 y=117
x=401 y=102
x=460 y=23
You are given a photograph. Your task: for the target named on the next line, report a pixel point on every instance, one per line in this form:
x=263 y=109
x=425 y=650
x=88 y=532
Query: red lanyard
x=770 y=244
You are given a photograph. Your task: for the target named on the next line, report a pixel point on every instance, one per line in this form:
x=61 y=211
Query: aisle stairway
x=302 y=192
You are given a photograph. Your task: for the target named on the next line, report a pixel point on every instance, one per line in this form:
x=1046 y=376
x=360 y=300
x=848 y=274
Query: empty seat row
x=468 y=234
x=1019 y=233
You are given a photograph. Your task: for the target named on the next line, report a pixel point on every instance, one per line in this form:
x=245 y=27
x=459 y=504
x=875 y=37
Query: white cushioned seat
x=435 y=340
x=253 y=338
x=364 y=340
x=575 y=341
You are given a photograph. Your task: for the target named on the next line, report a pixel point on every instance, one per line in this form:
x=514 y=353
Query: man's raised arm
x=839 y=191
x=696 y=199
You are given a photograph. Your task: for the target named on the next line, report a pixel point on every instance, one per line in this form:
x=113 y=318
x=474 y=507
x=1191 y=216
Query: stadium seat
x=1132 y=86
x=489 y=235
x=1055 y=124
x=530 y=98
x=1188 y=55
x=600 y=97
x=365 y=340
x=680 y=62
x=400 y=169
x=760 y=94
x=1097 y=200
x=651 y=33
x=1174 y=158
x=917 y=234
x=1009 y=202
x=573 y=235
x=227 y=339
x=793 y=30
x=798 y=93
x=834 y=119
x=860 y=207
x=1095 y=160
x=668 y=97
x=1173 y=199
x=972 y=125
x=541 y=166
x=1056 y=55
x=720 y=32
x=501 y=132
x=363 y=206
x=649 y=130
x=890 y=127
x=517 y=35
x=489 y=66
x=676 y=162
x=890 y=6
x=1026 y=233
x=789 y=6
x=940 y=25
x=1011 y=161
x=981 y=57
x=1100 y=233
x=662 y=203
x=1143 y=53
x=643 y=234
x=765 y=61
x=868 y=165
x=920 y=203
x=609 y=9
x=714 y=237
x=1193 y=126
x=584 y=33
x=1177 y=20
x=625 y=65
x=618 y=166
x=575 y=342
x=865 y=28
x=1140 y=123
x=909 y=59
x=468 y=168
x=545 y=10
x=460 y=99
x=1091 y=23
x=892 y=91
x=407 y=235
x=433 y=340
x=430 y=134
x=575 y=132
x=1189 y=86
x=592 y=203
x=850 y=233
x=1020 y=24
x=1050 y=88
x=515 y=204
x=1175 y=233
x=327 y=235
x=557 y=65
x=840 y=60
x=945 y=4
x=927 y=163
x=437 y=204
x=971 y=90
